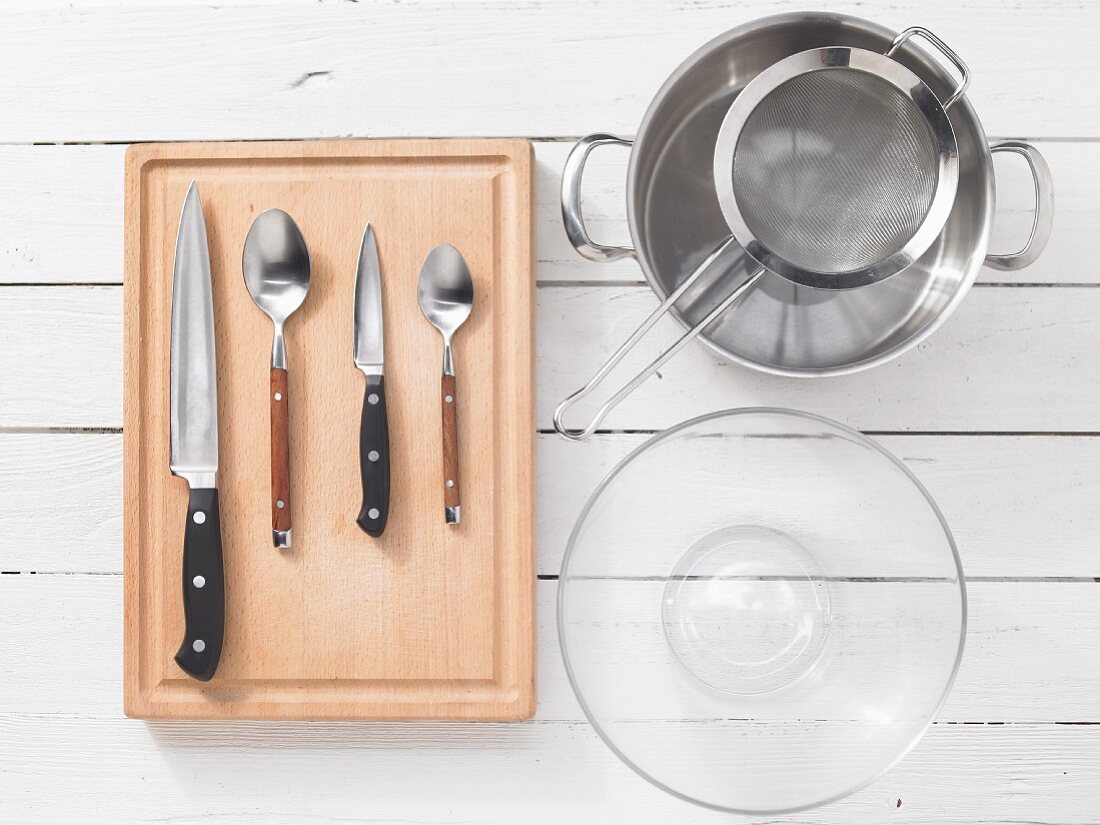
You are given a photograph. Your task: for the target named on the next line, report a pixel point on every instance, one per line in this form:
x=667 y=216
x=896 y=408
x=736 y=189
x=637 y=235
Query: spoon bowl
x=445 y=290
x=277 y=273
x=276 y=264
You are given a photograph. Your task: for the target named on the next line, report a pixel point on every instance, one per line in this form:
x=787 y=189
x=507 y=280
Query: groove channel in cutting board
x=428 y=621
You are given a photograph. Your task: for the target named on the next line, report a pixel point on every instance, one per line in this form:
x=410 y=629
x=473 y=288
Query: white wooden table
x=998 y=413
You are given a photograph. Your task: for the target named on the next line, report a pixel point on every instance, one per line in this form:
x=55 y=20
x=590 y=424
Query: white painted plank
x=87 y=72
x=61 y=357
x=59 y=769
x=1030 y=654
x=1014 y=359
x=62 y=497
x=62 y=215
x=67 y=755
x=1018 y=506
x=1008 y=360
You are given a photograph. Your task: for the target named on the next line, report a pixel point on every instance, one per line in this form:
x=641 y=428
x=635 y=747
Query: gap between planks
x=553 y=577
x=552 y=284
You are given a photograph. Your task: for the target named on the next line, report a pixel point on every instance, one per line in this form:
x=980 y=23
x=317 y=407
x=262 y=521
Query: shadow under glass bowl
x=761 y=610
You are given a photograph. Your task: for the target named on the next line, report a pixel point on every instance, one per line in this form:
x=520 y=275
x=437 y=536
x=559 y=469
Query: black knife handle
x=203 y=587
x=374 y=458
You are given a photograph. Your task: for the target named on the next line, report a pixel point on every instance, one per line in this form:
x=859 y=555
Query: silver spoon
x=445 y=292
x=276 y=272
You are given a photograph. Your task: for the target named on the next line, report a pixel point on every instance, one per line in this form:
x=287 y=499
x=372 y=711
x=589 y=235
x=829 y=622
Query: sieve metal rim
x=825 y=59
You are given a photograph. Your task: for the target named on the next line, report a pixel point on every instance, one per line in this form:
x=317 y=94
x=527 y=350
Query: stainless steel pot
x=781 y=327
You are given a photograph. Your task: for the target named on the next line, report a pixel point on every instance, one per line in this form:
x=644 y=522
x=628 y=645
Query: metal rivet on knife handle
x=369 y=356
x=193 y=448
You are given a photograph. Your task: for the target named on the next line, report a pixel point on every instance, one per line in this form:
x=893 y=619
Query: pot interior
x=675 y=218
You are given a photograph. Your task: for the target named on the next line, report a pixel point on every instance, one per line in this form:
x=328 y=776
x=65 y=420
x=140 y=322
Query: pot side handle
x=1044 y=208
x=945 y=50
x=571 y=214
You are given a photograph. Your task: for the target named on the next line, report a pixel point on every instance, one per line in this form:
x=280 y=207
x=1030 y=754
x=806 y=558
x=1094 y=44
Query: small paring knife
x=193 y=451
x=374 y=436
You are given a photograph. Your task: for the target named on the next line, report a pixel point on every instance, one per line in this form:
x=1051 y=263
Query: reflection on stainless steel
x=572 y=217
x=676 y=221
x=836 y=167
x=1044 y=208
x=728 y=299
x=193 y=453
x=825 y=127
x=445 y=292
x=276 y=272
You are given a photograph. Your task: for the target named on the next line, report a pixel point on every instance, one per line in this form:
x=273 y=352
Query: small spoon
x=276 y=272
x=445 y=292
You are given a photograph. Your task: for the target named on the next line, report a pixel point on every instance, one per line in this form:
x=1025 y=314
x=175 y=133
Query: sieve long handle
x=571 y=214
x=1044 y=208
x=945 y=50
x=638 y=334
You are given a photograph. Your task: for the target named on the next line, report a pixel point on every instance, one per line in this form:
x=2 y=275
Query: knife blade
x=193 y=449
x=368 y=354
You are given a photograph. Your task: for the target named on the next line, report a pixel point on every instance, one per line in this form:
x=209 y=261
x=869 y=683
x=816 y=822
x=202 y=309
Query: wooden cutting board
x=430 y=621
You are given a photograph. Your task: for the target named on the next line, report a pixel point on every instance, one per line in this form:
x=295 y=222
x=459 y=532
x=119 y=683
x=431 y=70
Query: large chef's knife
x=194 y=442
x=374 y=438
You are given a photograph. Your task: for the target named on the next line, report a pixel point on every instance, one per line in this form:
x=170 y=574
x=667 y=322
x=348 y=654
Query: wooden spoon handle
x=280 y=459
x=449 y=398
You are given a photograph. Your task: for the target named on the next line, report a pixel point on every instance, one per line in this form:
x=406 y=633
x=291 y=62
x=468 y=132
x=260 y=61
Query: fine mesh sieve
x=837 y=167
x=834 y=168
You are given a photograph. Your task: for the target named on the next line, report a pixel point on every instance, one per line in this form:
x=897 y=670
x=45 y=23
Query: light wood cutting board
x=430 y=621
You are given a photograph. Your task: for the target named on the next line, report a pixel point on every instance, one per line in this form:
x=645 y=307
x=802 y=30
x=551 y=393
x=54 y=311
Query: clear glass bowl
x=761 y=610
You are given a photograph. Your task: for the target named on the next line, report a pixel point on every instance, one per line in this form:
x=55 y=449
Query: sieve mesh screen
x=835 y=170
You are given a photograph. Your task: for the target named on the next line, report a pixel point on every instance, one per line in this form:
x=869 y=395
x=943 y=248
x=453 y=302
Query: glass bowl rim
x=856 y=436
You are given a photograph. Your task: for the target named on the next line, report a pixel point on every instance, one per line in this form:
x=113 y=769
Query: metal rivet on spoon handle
x=277 y=273
x=445 y=292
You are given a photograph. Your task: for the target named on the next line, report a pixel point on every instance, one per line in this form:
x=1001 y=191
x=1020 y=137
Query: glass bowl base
x=746 y=610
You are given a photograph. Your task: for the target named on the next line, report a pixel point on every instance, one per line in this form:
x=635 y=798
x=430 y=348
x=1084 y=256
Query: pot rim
x=962 y=106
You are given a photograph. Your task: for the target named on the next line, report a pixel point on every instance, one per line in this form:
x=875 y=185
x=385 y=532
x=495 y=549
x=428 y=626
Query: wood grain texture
x=1066 y=259
x=448 y=403
x=1009 y=360
x=280 y=451
x=72 y=192
x=1015 y=667
x=62 y=333
x=329 y=774
x=485 y=67
x=970 y=767
x=424 y=622
x=1012 y=748
x=1003 y=497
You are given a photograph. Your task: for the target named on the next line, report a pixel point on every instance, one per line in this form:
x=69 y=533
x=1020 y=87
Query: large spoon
x=446 y=294
x=276 y=272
